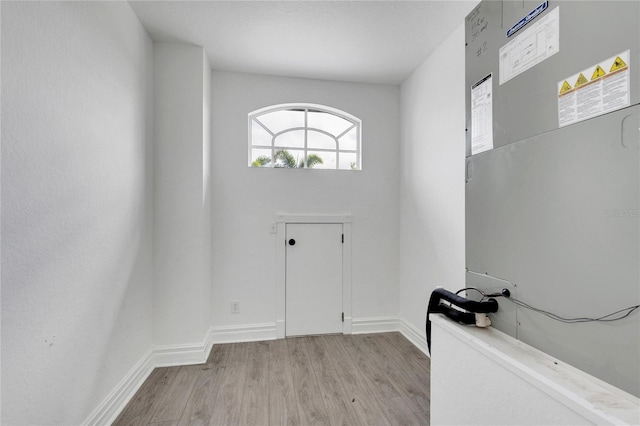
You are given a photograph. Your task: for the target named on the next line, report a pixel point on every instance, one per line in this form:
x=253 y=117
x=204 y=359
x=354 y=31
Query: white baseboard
x=415 y=336
x=374 y=325
x=243 y=333
x=389 y=324
x=119 y=397
x=169 y=356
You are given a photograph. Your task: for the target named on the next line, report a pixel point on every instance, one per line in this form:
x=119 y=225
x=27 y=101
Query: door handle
x=292 y=242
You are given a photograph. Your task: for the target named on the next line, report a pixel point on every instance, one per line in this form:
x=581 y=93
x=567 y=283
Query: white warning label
x=597 y=90
x=482 y=116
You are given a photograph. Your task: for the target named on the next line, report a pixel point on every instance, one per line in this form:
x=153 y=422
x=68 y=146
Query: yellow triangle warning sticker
x=565 y=87
x=581 y=80
x=599 y=72
x=618 y=64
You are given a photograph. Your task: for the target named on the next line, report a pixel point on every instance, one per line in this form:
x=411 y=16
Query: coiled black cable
x=622 y=313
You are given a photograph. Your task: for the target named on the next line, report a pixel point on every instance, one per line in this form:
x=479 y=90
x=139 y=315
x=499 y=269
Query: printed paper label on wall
x=482 y=115
x=597 y=90
x=532 y=46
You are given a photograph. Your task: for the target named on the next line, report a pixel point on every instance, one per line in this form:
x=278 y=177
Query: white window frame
x=355 y=123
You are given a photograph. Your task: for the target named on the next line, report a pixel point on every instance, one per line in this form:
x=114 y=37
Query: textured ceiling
x=362 y=41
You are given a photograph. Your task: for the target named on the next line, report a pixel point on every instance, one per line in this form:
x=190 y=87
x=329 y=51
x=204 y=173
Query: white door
x=313 y=279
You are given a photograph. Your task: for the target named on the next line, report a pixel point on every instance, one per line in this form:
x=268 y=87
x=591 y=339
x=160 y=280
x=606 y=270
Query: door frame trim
x=282 y=219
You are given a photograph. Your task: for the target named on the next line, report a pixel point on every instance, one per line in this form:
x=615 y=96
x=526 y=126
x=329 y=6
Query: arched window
x=304 y=136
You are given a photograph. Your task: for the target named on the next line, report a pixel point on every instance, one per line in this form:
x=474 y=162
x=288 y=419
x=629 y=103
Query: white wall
x=182 y=195
x=247 y=199
x=76 y=206
x=432 y=179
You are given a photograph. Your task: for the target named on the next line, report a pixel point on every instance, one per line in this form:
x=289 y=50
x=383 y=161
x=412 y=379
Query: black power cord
x=614 y=316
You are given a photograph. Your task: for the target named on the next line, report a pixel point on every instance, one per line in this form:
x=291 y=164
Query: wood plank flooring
x=376 y=379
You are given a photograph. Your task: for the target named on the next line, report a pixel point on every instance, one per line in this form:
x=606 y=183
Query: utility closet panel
x=552 y=192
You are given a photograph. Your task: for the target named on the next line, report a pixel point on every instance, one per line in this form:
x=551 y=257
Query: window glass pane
x=259 y=136
x=350 y=140
x=278 y=121
x=294 y=139
x=289 y=158
x=303 y=132
x=348 y=161
x=260 y=158
x=328 y=159
x=319 y=140
x=328 y=122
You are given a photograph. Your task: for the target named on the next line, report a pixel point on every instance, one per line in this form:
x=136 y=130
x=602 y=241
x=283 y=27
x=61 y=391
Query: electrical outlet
x=235 y=307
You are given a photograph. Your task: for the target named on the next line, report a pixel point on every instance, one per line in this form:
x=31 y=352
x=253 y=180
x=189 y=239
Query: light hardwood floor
x=376 y=379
